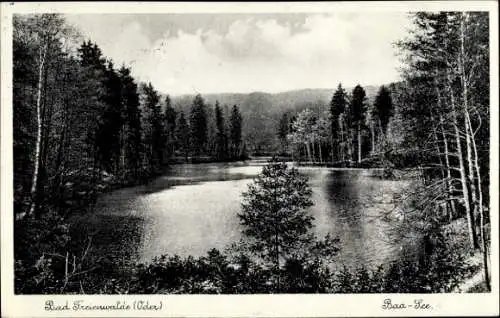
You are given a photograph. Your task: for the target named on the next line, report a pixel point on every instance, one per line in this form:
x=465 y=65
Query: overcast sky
x=213 y=53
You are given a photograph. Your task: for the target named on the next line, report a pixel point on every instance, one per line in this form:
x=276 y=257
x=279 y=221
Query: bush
x=37 y=243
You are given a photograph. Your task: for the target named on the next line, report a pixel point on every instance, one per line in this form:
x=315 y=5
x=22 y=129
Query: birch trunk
x=463 y=177
x=351 y=146
x=484 y=246
x=34 y=184
x=449 y=184
x=453 y=211
x=341 y=145
x=332 y=151
x=308 y=149
x=468 y=128
x=372 y=132
x=320 y=153
x=313 y=151
x=359 y=143
x=472 y=155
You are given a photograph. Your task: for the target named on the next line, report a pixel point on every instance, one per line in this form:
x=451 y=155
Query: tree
x=40 y=40
x=235 y=138
x=380 y=114
x=111 y=116
x=383 y=107
x=198 y=125
x=284 y=126
x=221 y=139
x=45 y=29
x=131 y=134
x=25 y=75
x=358 y=109
x=183 y=134
x=322 y=131
x=274 y=214
x=211 y=145
x=152 y=128
x=302 y=132
x=112 y=121
x=170 y=117
x=91 y=55
x=338 y=106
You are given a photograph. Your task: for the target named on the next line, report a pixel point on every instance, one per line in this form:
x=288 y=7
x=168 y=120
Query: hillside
x=279 y=102
x=261 y=111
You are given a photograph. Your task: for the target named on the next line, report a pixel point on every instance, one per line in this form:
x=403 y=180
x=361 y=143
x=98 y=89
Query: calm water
x=193 y=208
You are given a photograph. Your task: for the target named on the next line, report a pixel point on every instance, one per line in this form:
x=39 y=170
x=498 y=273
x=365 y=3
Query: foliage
x=170 y=118
x=152 y=127
x=235 y=137
x=277 y=229
x=221 y=138
x=338 y=106
x=357 y=106
x=383 y=108
x=284 y=127
x=198 y=125
x=274 y=213
x=182 y=134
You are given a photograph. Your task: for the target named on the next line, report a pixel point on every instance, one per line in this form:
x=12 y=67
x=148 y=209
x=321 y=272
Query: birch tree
x=45 y=32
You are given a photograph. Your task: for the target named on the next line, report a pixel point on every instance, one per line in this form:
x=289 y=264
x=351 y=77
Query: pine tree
x=91 y=55
x=198 y=125
x=131 y=134
x=235 y=123
x=183 y=135
x=170 y=117
x=108 y=140
x=274 y=215
x=358 y=109
x=221 y=139
x=109 y=95
x=383 y=107
x=211 y=144
x=153 y=136
x=338 y=106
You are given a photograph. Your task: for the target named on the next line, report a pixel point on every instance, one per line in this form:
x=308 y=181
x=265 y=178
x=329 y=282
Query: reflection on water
x=193 y=208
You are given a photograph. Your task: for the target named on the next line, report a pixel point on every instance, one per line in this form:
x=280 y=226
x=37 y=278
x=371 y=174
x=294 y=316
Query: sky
x=216 y=53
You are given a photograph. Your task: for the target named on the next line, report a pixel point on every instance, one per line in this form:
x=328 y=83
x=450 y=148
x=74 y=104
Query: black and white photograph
x=240 y=152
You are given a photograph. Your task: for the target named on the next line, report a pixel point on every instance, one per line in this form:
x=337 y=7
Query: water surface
x=193 y=208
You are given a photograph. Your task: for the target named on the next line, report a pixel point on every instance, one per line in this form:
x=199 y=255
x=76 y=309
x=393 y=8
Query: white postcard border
x=239 y=305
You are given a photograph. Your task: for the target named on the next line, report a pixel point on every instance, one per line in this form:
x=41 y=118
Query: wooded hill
x=262 y=111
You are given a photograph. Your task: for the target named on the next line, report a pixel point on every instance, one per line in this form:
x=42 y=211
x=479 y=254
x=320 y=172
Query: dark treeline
x=81 y=124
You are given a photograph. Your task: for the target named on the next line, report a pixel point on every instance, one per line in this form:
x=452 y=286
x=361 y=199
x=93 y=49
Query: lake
x=193 y=208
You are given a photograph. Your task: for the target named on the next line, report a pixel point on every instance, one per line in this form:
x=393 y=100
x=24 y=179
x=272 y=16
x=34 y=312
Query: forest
x=84 y=126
